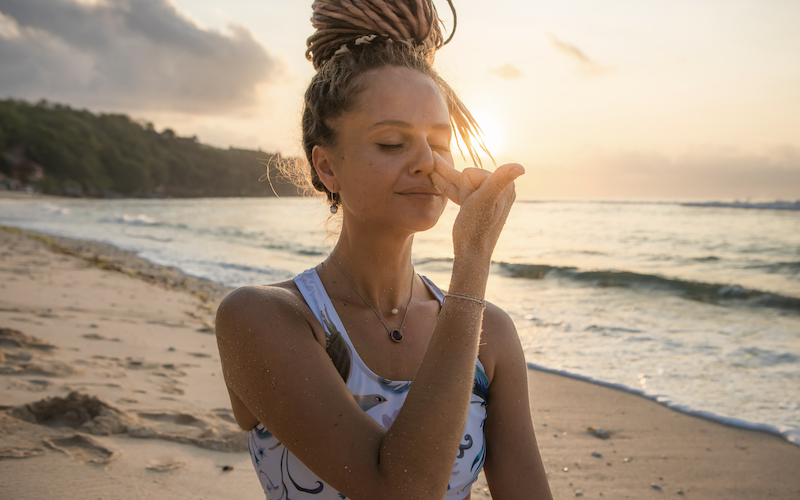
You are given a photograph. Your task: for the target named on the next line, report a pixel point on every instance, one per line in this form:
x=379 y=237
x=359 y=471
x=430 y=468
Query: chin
x=423 y=220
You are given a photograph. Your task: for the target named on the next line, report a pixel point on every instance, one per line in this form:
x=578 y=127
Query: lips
x=421 y=190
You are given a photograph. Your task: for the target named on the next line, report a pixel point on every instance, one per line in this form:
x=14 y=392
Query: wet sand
x=110 y=387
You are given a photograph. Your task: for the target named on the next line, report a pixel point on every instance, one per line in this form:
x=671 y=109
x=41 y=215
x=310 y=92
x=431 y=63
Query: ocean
x=696 y=306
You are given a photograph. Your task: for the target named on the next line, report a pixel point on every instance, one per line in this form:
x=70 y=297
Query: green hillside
x=108 y=155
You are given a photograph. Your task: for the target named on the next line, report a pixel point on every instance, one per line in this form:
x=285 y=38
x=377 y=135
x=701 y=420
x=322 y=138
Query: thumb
x=501 y=179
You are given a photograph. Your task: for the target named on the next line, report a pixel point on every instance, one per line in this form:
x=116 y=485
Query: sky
x=612 y=99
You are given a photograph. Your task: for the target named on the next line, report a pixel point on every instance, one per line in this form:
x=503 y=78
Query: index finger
x=446 y=170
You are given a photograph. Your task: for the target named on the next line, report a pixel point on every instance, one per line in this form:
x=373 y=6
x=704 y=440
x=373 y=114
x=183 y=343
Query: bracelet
x=473 y=299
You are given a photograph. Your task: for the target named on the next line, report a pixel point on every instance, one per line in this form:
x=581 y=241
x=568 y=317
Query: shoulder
x=499 y=338
x=278 y=295
x=252 y=309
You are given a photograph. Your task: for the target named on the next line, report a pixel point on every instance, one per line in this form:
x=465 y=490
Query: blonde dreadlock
x=340 y=21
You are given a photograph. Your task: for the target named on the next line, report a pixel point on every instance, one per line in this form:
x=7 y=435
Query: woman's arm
x=513 y=467
x=273 y=363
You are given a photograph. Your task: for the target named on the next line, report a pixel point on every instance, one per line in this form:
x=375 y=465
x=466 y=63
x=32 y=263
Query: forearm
x=423 y=440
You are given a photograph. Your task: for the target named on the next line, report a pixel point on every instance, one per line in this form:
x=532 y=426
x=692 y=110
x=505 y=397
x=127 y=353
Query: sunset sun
x=493 y=134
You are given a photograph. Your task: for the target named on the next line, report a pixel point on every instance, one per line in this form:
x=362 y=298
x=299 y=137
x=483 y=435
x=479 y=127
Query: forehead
x=401 y=94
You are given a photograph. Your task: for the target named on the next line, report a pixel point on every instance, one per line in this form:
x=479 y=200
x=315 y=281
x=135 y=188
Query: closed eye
x=390 y=147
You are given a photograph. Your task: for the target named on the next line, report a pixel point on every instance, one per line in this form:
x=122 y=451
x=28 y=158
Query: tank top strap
x=434 y=289
x=337 y=343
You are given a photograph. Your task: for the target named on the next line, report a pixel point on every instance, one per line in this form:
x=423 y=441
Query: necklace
x=395 y=335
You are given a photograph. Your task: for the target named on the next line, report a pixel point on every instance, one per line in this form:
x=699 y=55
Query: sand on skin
x=143 y=346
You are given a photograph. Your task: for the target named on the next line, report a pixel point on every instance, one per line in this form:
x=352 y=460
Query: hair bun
x=339 y=22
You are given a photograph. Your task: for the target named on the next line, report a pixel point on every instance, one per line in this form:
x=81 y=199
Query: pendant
x=396 y=335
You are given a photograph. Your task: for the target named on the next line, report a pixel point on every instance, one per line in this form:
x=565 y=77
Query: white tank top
x=284 y=477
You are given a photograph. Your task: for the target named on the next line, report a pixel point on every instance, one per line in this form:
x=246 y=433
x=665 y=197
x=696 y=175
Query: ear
x=321 y=156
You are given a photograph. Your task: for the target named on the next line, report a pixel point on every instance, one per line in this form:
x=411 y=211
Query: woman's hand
x=485 y=199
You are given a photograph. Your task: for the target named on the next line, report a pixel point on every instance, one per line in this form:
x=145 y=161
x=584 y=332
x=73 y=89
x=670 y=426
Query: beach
x=111 y=388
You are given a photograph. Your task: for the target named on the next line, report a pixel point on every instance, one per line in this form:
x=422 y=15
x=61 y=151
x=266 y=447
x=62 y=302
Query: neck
x=379 y=265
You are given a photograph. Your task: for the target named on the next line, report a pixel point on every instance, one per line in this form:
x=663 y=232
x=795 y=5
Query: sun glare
x=493 y=133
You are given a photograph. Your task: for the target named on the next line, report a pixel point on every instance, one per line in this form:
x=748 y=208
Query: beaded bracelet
x=473 y=299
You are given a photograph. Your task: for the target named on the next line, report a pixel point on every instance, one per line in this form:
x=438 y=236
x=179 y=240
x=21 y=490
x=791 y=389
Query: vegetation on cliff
x=61 y=150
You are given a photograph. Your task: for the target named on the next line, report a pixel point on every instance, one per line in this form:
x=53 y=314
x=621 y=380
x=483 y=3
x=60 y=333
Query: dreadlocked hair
x=354 y=37
x=340 y=21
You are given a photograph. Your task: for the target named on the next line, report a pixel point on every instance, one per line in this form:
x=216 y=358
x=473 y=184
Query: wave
x=131 y=220
x=713 y=293
x=433 y=260
x=54 y=209
x=241 y=267
x=305 y=251
x=778 y=267
x=758 y=357
x=150 y=238
x=707 y=258
x=774 y=205
x=789 y=434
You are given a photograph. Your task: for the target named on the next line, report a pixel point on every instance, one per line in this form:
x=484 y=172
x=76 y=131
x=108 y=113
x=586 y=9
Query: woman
x=359 y=378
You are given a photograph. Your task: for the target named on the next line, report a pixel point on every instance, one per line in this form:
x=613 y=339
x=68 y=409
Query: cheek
x=367 y=185
x=447 y=156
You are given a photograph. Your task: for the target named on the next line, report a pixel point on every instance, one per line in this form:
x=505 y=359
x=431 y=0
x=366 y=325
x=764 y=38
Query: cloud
x=585 y=63
x=127 y=54
x=507 y=72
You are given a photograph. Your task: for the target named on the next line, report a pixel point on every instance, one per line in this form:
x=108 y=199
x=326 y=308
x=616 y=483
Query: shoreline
x=788 y=436
x=52 y=282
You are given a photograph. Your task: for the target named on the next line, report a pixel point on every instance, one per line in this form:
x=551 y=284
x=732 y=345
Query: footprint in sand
x=22 y=354
x=15 y=338
x=19 y=452
x=166 y=381
x=225 y=414
x=170 y=420
x=31 y=385
x=83 y=448
x=165 y=465
x=167 y=384
x=97 y=336
x=17 y=440
x=206 y=431
x=168 y=324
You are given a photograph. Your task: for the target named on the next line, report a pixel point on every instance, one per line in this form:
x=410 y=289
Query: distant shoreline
x=772 y=205
x=21 y=195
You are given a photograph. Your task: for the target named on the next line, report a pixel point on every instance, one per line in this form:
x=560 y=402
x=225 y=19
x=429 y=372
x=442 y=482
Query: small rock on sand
x=598 y=432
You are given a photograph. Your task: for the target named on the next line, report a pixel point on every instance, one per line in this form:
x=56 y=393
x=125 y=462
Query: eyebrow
x=406 y=125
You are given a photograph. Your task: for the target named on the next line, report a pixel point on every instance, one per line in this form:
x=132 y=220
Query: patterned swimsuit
x=284 y=477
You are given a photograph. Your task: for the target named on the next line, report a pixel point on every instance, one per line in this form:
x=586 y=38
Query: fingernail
x=518 y=170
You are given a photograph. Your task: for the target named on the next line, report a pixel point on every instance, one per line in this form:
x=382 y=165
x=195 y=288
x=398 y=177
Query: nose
x=424 y=162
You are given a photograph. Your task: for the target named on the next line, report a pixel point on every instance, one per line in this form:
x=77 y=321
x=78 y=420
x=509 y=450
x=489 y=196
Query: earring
x=334 y=203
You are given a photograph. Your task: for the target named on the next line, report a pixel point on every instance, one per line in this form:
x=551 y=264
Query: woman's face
x=385 y=149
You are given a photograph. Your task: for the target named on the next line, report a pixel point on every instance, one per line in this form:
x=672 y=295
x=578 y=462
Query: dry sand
x=111 y=388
